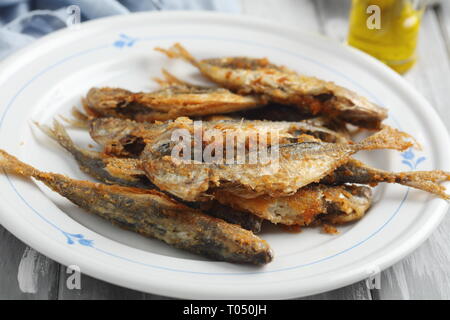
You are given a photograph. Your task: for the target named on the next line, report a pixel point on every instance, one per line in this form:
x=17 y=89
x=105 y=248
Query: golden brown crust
x=279 y=84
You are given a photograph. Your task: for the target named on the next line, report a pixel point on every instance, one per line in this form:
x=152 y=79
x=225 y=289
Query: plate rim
x=381 y=68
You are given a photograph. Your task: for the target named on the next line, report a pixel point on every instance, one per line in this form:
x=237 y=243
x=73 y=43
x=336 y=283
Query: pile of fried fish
x=215 y=209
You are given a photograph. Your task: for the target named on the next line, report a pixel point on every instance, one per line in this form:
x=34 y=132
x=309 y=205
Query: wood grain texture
x=356 y=291
x=38 y=274
x=93 y=289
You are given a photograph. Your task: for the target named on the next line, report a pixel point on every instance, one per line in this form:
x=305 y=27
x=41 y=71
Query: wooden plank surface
x=26 y=274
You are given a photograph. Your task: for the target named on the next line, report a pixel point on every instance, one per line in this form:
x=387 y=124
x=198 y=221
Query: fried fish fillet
x=295 y=166
x=281 y=85
x=313 y=204
x=153 y=214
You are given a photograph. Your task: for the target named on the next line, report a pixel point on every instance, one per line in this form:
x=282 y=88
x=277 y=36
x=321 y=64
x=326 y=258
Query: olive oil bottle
x=387 y=30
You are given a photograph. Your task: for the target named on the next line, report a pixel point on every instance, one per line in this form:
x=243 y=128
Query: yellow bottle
x=387 y=30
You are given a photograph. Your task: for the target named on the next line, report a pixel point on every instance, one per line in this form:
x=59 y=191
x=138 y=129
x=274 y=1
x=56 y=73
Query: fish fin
x=177 y=51
x=388 y=138
x=79 y=120
x=60 y=135
x=89 y=112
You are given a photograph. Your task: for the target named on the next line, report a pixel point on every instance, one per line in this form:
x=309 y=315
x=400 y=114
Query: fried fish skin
x=281 y=85
x=154 y=215
x=127 y=172
x=312 y=204
x=167 y=103
x=355 y=171
x=296 y=166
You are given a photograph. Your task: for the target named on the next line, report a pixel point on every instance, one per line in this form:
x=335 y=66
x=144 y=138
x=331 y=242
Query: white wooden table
x=425 y=274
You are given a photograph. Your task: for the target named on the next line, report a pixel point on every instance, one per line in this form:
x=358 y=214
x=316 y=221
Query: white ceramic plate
x=50 y=76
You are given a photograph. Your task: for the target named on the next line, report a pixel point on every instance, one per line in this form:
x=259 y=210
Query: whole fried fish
x=128 y=138
x=175 y=99
x=281 y=85
x=154 y=215
x=295 y=166
x=353 y=171
x=127 y=172
x=313 y=204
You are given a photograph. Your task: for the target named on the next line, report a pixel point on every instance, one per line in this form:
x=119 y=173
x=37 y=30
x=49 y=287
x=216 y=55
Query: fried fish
x=296 y=165
x=175 y=99
x=128 y=138
x=153 y=214
x=280 y=85
x=124 y=172
x=313 y=204
x=127 y=172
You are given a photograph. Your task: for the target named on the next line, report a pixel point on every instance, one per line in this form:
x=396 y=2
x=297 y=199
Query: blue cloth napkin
x=23 y=21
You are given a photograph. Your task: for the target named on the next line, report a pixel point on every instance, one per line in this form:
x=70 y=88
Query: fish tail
x=169 y=80
x=177 y=51
x=59 y=134
x=11 y=164
x=387 y=138
x=429 y=181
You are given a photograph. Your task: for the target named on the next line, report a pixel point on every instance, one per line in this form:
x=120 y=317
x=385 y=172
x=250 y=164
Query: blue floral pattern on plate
x=409 y=159
x=73 y=238
x=125 y=41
